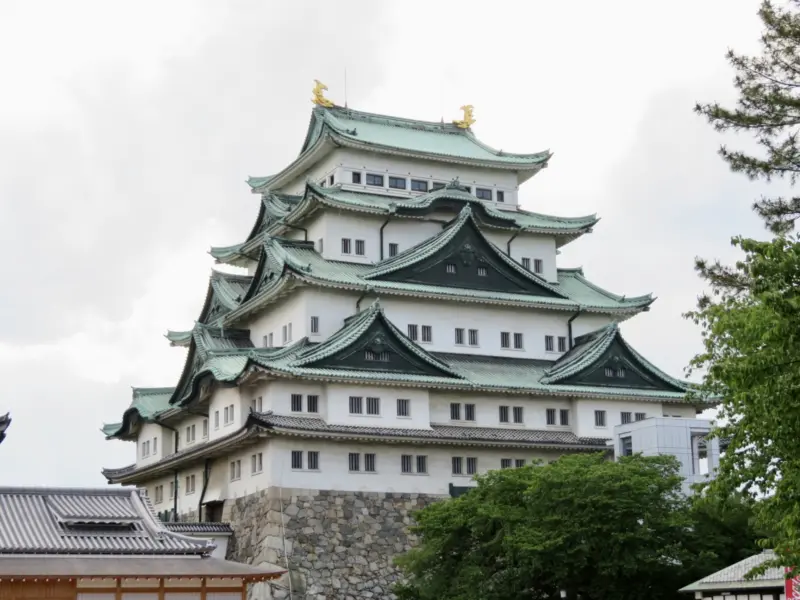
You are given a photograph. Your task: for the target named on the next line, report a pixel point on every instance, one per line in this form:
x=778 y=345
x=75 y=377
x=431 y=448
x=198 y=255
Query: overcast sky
x=127 y=131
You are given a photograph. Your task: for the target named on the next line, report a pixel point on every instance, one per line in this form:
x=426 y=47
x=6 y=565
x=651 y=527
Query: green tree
x=583 y=524
x=768 y=107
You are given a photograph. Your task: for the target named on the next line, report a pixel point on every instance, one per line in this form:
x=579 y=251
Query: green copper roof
x=255 y=182
x=147 y=403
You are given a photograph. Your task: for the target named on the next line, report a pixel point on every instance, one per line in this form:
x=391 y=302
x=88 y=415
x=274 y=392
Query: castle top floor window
x=397 y=183
x=373 y=179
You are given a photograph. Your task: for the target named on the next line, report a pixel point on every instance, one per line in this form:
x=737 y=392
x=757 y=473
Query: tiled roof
x=204 y=527
x=733 y=577
x=146 y=404
x=86 y=521
x=5 y=421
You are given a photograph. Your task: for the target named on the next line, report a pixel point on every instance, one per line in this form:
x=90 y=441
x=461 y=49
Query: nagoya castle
x=393 y=324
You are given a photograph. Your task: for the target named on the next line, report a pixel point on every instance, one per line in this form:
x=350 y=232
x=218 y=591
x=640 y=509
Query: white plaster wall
x=355 y=226
x=222 y=397
x=332 y=307
x=584 y=409
x=588 y=322
x=531 y=246
x=148 y=433
x=188 y=421
x=249 y=482
x=290 y=309
x=487 y=410
x=683 y=410
x=276 y=396
x=407 y=233
x=338 y=404
x=166 y=502
x=342 y=161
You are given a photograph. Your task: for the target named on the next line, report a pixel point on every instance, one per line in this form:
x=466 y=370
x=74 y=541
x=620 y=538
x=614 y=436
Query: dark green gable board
x=624 y=371
x=468 y=261
x=455 y=206
x=388 y=353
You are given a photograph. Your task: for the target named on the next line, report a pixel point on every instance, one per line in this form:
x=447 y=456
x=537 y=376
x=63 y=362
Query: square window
x=457 y=465
x=413 y=332
x=450 y=268
x=548 y=343
x=297 y=459
x=519 y=462
x=313 y=460
x=427 y=333
x=551 y=416
x=562 y=343
x=397 y=183
x=620 y=372
x=472 y=465
x=372 y=356
x=356 y=405
x=504 y=414
x=526 y=263
x=297 y=402
x=505 y=463
x=314 y=324
x=599 y=418
x=356 y=177
x=376 y=180
x=455 y=411
x=483 y=193
x=312 y=403
x=640 y=416
x=354 y=461
x=422 y=464
x=406 y=463
x=564 y=416
x=417 y=185
x=537 y=265
x=469 y=412
x=518 y=414
x=625 y=417
x=518 y=341
x=501 y=196
x=369 y=463
x=360 y=248
x=609 y=371
x=459 y=336
x=473 y=337
x=482 y=272
x=403 y=407
x=373 y=406
x=393 y=248
x=505 y=339
x=346 y=242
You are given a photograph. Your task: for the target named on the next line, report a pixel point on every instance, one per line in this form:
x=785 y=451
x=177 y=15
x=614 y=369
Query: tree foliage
x=583 y=524
x=768 y=107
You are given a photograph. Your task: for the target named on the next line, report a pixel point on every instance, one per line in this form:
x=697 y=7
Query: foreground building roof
x=5 y=421
x=732 y=580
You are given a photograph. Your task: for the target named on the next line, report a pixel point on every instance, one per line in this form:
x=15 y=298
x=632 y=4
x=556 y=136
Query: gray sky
x=127 y=131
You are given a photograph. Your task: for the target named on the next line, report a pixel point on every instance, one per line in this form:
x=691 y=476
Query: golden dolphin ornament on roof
x=468 y=119
x=319 y=97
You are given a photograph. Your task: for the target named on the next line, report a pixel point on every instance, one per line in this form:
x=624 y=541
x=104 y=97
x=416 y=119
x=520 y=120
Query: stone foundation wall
x=337 y=545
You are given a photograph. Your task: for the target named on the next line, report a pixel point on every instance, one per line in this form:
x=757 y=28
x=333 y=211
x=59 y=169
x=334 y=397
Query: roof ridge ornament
x=468 y=119
x=319 y=94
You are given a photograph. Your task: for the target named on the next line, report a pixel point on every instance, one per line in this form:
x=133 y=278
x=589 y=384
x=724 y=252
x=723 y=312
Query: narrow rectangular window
x=265 y=341
x=320 y=245
x=472 y=465
x=297 y=459
x=257 y=462
x=422 y=464
x=455 y=411
x=417 y=185
x=518 y=414
x=518 y=341
x=373 y=179
x=356 y=405
x=297 y=402
x=216 y=419
x=369 y=463
x=627 y=446
x=505 y=339
x=625 y=417
x=290 y=332
x=473 y=337
x=501 y=196
x=356 y=177
x=551 y=416
x=331 y=179
x=564 y=416
x=519 y=462
x=397 y=183
x=562 y=343
x=548 y=343
x=314 y=324
x=609 y=371
x=483 y=193
x=505 y=463
x=354 y=461
x=459 y=336
x=312 y=403
x=373 y=406
x=537 y=265
x=469 y=412
x=457 y=465
x=346 y=245
x=406 y=463
x=258 y=404
x=504 y=414
x=171 y=490
x=313 y=460
x=403 y=407
x=450 y=268
x=270 y=340
x=599 y=418
x=360 y=248
x=233 y=470
x=155 y=440
x=427 y=333
x=482 y=272
x=393 y=248
x=639 y=417
x=413 y=332
x=526 y=263
x=285 y=334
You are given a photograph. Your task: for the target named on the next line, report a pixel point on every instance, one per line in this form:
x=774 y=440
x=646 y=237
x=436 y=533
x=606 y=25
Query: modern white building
x=398 y=323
